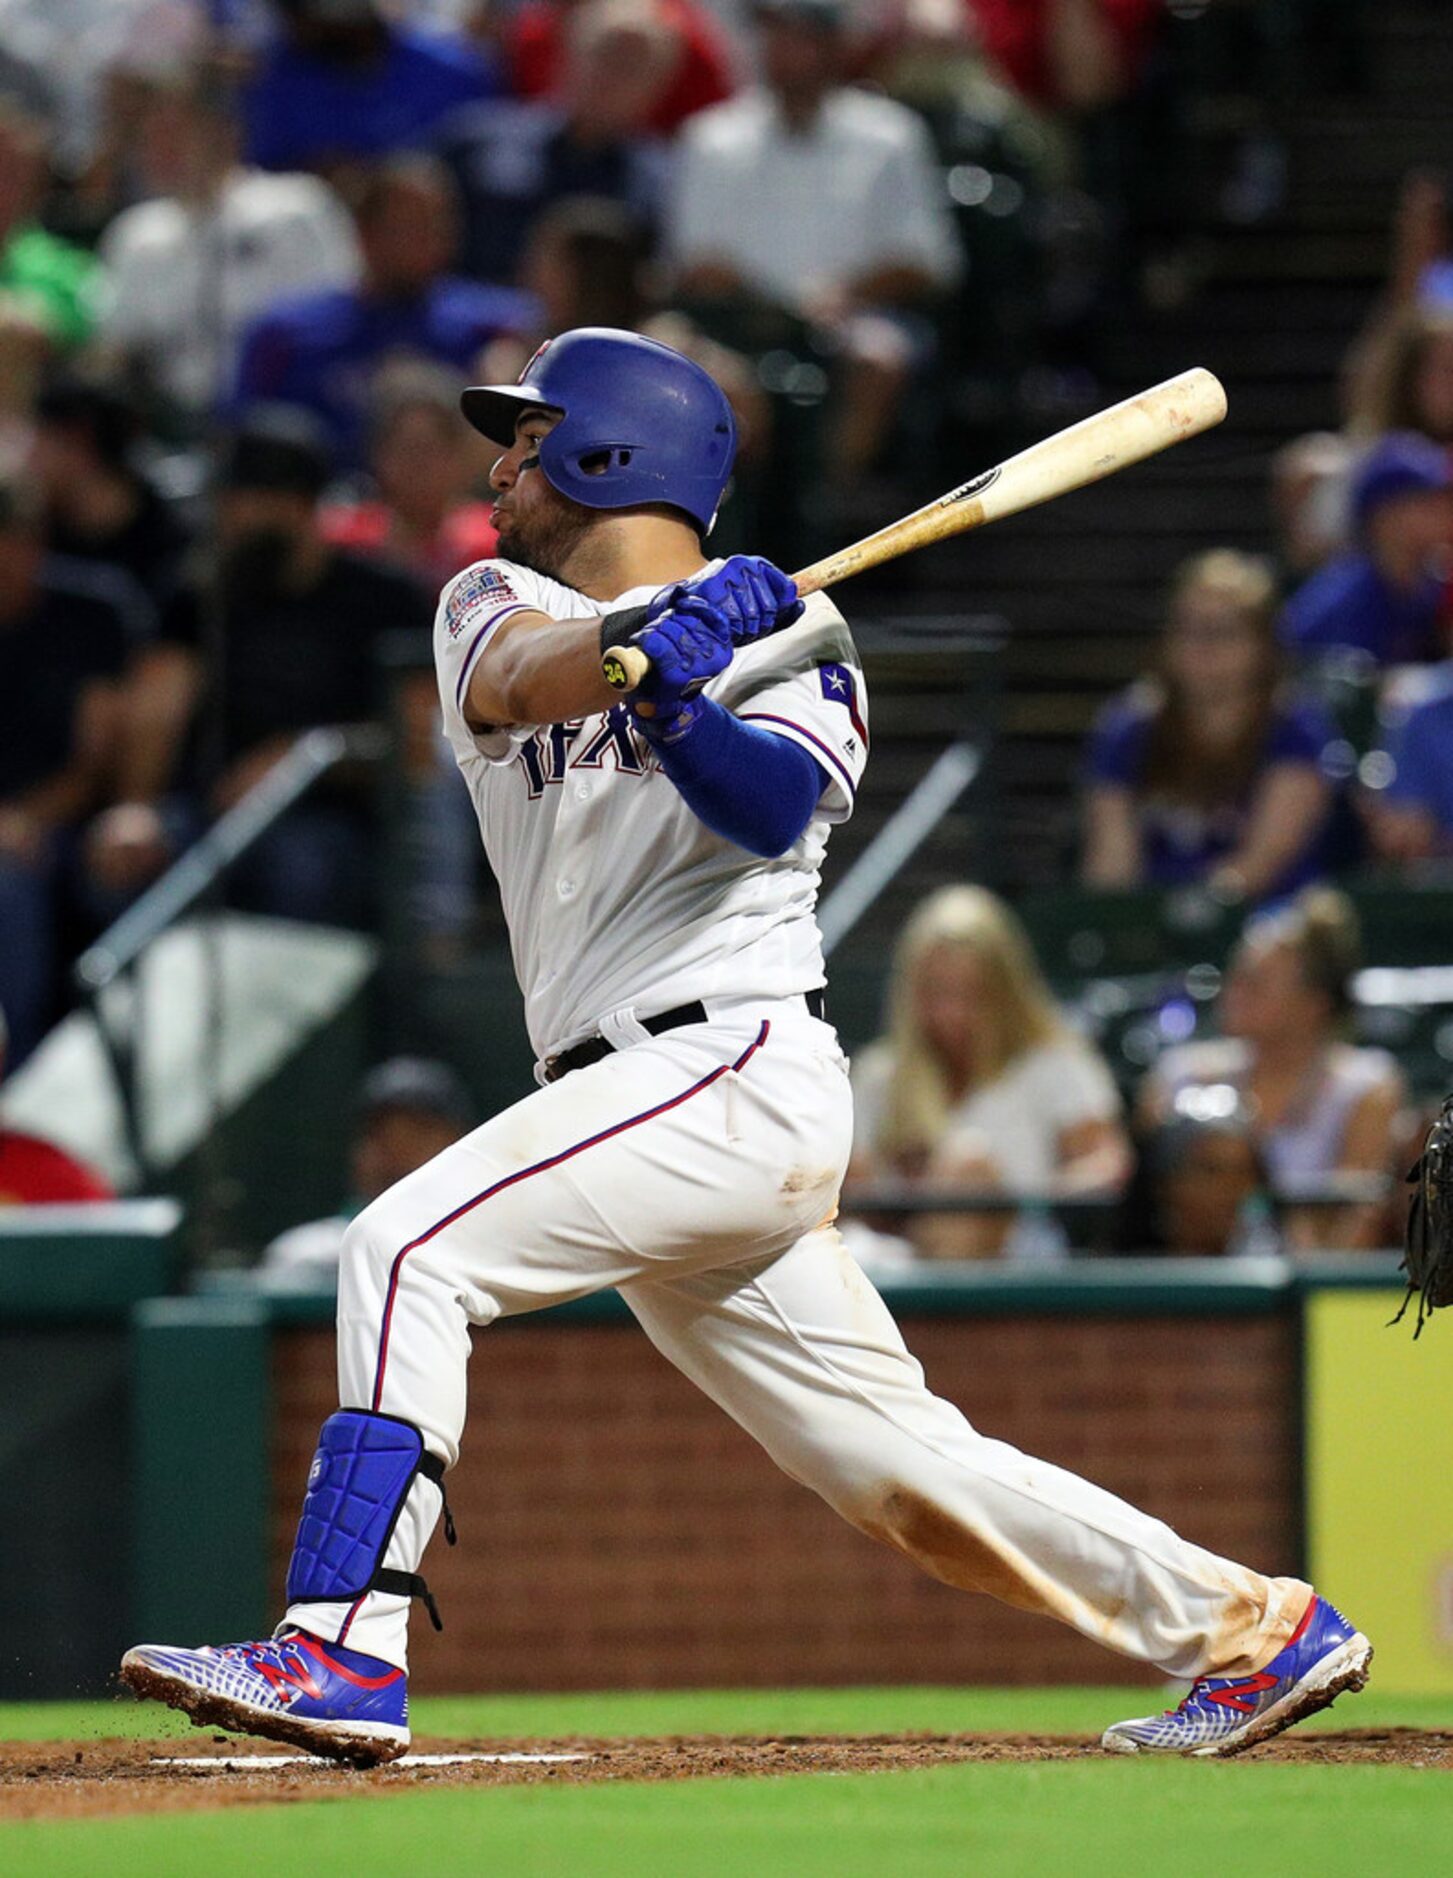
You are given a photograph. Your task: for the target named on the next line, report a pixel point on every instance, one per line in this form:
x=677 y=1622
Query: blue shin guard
x=362 y=1474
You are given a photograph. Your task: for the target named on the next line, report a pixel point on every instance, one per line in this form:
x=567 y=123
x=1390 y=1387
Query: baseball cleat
x=317 y=1696
x=1224 y=1714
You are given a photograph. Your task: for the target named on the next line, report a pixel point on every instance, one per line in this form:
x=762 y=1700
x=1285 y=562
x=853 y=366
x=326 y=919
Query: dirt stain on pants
x=1254 y=1618
x=948 y=1550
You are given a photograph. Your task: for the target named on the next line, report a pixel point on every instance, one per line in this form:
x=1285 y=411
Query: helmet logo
x=535 y=359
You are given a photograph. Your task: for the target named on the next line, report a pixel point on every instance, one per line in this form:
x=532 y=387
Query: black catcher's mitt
x=1428 y=1247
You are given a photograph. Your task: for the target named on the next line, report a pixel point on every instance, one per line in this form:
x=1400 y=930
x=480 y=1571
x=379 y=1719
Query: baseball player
x=658 y=859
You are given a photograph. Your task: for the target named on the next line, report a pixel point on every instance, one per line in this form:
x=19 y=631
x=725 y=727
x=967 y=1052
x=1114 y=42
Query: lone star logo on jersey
x=485 y=586
x=839 y=687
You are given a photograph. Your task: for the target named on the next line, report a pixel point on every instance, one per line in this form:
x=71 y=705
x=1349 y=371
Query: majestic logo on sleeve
x=484 y=586
x=839 y=687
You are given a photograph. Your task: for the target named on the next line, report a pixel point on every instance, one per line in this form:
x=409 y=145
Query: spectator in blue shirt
x=514 y=160
x=1386 y=595
x=341 y=82
x=1412 y=817
x=322 y=352
x=1208 y=771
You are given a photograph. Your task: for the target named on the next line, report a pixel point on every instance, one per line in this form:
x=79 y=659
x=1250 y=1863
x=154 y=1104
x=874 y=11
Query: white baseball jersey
x=619 y=900
x=698 y=1172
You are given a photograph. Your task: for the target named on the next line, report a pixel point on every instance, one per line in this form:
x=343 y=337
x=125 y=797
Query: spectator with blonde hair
x=980 y=1081
x=1403 y=379
x=1398 y=374
x=1208 y=771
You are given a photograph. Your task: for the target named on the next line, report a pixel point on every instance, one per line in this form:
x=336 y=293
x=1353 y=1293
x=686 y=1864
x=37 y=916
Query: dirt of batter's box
x=74 y=1779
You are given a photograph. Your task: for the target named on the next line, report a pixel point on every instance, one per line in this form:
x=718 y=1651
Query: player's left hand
x=687 y=645
x=752 y=596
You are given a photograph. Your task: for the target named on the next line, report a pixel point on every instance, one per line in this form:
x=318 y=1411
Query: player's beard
x=549 y=537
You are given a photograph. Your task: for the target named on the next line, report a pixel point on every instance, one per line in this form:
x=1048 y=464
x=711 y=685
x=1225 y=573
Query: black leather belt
x=594 y=1048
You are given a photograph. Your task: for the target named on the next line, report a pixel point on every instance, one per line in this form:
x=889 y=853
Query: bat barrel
x=1096 y=447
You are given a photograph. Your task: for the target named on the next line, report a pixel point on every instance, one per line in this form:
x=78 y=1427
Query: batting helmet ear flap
x=639 y=422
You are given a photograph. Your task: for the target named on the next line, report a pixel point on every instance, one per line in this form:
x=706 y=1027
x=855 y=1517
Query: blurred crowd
x=250 y=250
x=1294 y=726
x=1295 y=731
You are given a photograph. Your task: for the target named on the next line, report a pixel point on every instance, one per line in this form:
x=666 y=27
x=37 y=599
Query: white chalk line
x=234 y=1763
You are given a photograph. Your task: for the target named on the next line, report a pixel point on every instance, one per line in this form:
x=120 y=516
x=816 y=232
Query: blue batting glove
x=752 y=596
x=687 y=646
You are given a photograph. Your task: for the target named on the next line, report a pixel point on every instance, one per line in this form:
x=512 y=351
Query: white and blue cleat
x=1224 y=1714
x=318 y=1696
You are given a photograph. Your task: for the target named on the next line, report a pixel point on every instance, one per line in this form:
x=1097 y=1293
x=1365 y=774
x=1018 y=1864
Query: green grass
x=732 y=1712
x=1124 y=1818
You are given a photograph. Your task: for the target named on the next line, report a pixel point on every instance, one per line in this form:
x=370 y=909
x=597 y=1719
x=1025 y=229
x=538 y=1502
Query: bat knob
x=624 y=667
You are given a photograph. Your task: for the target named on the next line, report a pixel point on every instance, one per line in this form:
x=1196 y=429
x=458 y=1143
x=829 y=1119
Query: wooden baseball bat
x=1097 y=446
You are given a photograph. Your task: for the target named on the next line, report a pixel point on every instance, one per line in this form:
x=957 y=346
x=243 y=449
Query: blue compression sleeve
x=748 y=785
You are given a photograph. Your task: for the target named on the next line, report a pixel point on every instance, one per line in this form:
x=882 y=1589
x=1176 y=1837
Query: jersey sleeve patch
x=840 y=687
x=481 y=587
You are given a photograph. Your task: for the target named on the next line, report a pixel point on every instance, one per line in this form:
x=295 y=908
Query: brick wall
x=619 y=1531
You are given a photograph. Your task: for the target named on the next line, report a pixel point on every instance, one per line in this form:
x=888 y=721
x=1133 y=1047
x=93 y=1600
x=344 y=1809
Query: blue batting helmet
x=651 y=425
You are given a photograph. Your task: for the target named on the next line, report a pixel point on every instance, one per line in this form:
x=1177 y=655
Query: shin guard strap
x=408 y=1585
x=432 y=1468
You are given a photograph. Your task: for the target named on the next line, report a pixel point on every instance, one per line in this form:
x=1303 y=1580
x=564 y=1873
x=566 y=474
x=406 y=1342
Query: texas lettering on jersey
x=551 y=750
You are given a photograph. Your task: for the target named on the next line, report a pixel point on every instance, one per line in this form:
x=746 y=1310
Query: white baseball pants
x=696 y=1171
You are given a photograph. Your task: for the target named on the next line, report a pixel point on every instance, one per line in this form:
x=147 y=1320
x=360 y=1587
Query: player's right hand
x=687 y=645
x=752 y=596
